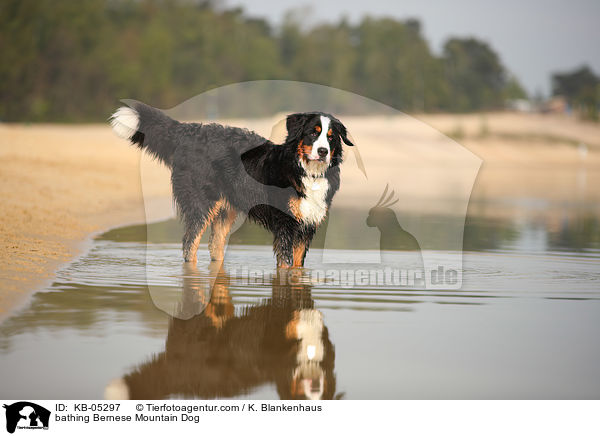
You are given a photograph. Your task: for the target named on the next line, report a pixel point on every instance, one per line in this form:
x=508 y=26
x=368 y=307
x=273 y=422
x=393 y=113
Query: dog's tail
x=148 y=128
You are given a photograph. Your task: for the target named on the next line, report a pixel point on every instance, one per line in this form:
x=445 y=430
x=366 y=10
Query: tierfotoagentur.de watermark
x=346 y=277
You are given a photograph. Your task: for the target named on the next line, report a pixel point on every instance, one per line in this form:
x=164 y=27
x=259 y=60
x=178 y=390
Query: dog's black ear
x=295 y=126
x=341 y=130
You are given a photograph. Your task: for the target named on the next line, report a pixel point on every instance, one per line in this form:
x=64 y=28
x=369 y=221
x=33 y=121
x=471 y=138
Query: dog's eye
x=315 y=133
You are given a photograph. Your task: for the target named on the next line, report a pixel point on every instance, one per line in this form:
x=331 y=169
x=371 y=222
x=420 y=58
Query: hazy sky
x=533 y=38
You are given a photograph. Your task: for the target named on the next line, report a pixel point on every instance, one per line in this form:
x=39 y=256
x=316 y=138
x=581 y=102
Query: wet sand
x=63 y=183
x=60 y=184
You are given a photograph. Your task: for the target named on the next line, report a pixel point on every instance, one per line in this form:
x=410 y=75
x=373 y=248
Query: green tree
x=513 y=90
x=395 y=65
x=73 y=61
x=475 y=75
x=581 y=88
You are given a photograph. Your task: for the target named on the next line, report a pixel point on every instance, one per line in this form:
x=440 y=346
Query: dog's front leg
x=283 y=249
x=290 y=253
x=299 y=253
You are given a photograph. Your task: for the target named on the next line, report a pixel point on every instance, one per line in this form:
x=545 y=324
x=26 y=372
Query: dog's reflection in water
x=221 y=353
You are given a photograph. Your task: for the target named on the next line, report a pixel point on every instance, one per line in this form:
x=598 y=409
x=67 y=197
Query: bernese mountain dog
x=219 y=171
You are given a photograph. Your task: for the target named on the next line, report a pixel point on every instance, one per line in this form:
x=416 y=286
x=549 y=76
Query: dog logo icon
x=26 y=415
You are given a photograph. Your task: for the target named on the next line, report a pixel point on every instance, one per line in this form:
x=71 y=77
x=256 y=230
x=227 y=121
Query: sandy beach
x=60 y=184
x=63 y=183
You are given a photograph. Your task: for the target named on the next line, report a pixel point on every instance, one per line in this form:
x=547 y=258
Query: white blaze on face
x=322 y=141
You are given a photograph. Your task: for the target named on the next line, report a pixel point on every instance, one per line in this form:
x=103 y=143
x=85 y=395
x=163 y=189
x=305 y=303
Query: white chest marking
x=313 y=208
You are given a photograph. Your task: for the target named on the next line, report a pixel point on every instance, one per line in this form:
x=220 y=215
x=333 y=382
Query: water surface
x=524 y=324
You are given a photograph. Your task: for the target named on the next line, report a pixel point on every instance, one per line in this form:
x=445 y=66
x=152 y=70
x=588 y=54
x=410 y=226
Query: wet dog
x=219 y=171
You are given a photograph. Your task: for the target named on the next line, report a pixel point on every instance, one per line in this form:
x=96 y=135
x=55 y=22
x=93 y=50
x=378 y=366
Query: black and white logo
x=26 y=415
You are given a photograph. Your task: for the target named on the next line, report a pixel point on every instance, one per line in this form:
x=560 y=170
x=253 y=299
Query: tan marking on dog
x=219 y=320
x=220 y=298
x=212 y=213
x=294 y=205
x=298 y=254
x=291 y=329
x=283 y=265
x=304 y=150
x=220 y=230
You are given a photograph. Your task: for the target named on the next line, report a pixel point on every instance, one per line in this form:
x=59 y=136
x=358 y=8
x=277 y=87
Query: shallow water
x=523 y=325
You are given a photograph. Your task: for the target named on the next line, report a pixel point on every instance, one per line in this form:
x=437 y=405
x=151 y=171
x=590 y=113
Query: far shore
x=63 y=183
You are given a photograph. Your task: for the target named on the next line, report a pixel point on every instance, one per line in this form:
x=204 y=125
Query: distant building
x=556 y=105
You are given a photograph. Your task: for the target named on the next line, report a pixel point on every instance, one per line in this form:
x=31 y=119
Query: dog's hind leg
x=195 y=225
x=220 y=229
x=194 y=229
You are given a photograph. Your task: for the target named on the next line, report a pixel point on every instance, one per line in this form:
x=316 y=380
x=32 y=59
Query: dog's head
x=316 y=138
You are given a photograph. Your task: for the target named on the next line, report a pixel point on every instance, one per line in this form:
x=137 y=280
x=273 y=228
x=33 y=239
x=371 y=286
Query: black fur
x=216 y=168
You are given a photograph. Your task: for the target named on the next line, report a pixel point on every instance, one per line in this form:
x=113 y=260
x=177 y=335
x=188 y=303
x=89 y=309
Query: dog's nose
x=322 y=151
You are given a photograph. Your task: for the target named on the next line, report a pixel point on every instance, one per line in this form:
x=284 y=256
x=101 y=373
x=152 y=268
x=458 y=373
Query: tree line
x=72 y=61
x=581 y=89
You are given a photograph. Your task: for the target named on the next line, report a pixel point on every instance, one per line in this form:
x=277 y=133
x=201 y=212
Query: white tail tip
x=125 y=122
